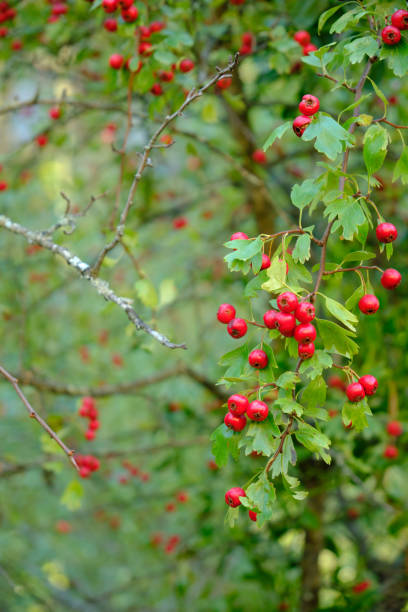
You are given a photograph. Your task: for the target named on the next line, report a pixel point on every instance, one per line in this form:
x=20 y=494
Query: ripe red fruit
x=116 y=61
x=394 y=428
x=130 y=14
x=156 y=26
x=232 y=496
x=170 y=507
x=286 y=323
x=238 y=404
x=110 y=6
x=266 y=261
x=182 y=497
x=368 y=304
x=237 y=328
x=257 y=411
x=236 y=423
x=16 y=45
x=59 y=9
x=186 y=65
x=94 y=425
x=247 y=38
x=305 y=312
x=166 y=75
x=226 y=312
x=391 y=35
x=111 y=25
x=287 y=302
x=156 y=89
x=239 y=236
x=335 y=382
x=252 y=515
x=355 y=392
x=305 y=333
x=306 y=351
x=3 y=185
x=84 y=472
x=360 y=587
x=270 y=319
x=237 y=2
x=145 y=48
x=179 y=222
x=3 y=32
x=369 y=384
x=258 y=359
x=224 y=83
x=309 y=49
x=42 y=140
x=309 y=105
x=391 y=278
x=259 y=156
x=125 y=4
x=144 y=32
x=390 y=451
x=300 y=124
x=400 y=19
x=89 y=434
x=386 y=232
x=55 y=112
x=302 y=37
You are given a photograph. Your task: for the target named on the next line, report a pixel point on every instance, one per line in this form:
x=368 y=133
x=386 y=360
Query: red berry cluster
x=132 y=470
x=309 y=105
x=247 y=43
x=303 y=38
x=87 y=464
x=232 y=499
x=391 y=34
x=171 y=543
x=7 y=13
x=394 y=429
x=88 y=410
x=58 y=9
x=366 y=385
x=239 y=406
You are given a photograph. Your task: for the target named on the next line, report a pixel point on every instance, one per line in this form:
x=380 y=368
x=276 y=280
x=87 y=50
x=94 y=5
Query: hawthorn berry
x=116 y=61
x=239 y=236
x=394 y=428
x=156 y=89
x=59 y=9
x=238 y=404
x=145 y=49
x=302 y=37
x=390 y=451
x=125 y=4
x=286 y=323
x=258 y=359
x=309 y=49
x=369 y=384
x=360 y=587
x=259 y=156
x=305 y=312
x=252 y=515
x=144 y=32
x=157 y=26
x=399 y=19
x=3 y=32
x=110 y=6
x=94 y=425
x=3 y=185
x=237 y=328
x=335 y=382
x=186 y=65
x=226 y=312
x=55 y=112
x=257 y=411
x=269 y=319
x=232 y=497
x=266 y=262
x=179 y=222
x=89 y=434
x=166 y=75
x=224 y=83
x=300 y=124
x=17 y=45
x=236 y=423
x=130 y=14
x=42 y=140
x=182 y=497
x=287 y=302
x=368 y=304
x=355 y=392
x=84 y=472
x=306 y=351
x=309 y=105
x=390 y=278
x=386 y=232
x=111 y=25
x=305 y=333
x=391 y=35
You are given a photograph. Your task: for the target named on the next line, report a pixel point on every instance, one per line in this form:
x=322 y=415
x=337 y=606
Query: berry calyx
x=237 y=328
x=286 y=323
x=269 y=319
x=300 y=124
x=116 y=61
x=239 y=236
x=258 y=359
x=266 y=262
x=186 y=65
x=309 y=105
x=232 y=496
x=355 y=392
x=386 y=232
x=391 y=35
x=369 y=384
x=394 y=428
x=391 y=278
x=259 y=156
x=236 y=423
x=252 y=515
x=400 y=19
x=257 y=411
x=305 y=333
x=390 y=451
x=368 y=304
x=238 y=404
x=302 y=37
x=306 y=351
x=287 y=302
x=226 y=312
x=305 y=312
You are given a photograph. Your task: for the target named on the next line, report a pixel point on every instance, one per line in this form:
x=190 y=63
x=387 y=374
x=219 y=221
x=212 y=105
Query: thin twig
x=338 y=270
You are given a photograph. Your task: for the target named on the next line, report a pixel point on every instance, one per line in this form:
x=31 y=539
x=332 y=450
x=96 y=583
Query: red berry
x=309 y=105
x=305 y=333
x=390 y=451
x=42 y=140
x=224 y=83
x=232 y=496
x=179 y=222
x=302 y=37
x=368 y=304
x=237 y=2
x=144 y=32
x=84 y=472
x=110 y=6
x=170 y=507
x=335 y=382
x=239 y=236
x=400 y=19
x=252 y=515
x=186 y=65
x=94 y=425
x=309 y=49
x=394 y=428
x=391 y=278
x=286 y=323
x=237 y=328
x=182 y=497
x=55 y=112
x=391 y=35
x=305 y=312
x=236 y=423
x=116 y=61
x=111 y=25
x=3 y=185
x=258 y=359
x=145 y=48
x=369 y=384
x=125 y=4
x=166 y=75
x=300 y=124
x=306 y=351
x=226 y=312
x=386 y=232
x=238 y=404
x=287 y=302
x=156 y=89
x=130 y=14
x=257 y=411
x=266 y=262
x=156 y=26
x=360 y=587
x=270 y=319
x=355 y=392
x=59 y=9
x=3 y=32
x=89 y=434
x=259 y=156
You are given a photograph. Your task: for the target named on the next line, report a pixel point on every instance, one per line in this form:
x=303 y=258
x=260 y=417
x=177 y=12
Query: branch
x=101 y=286
x=34 y=415
x=34 y=101
x=343 y=84
x=394 y=125
x=326 y=273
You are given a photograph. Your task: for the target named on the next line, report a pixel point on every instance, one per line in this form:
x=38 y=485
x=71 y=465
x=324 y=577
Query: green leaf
x=314 y=367
x=347 y=20
x=278 y=132
x=260 y=495
x=288 y=380
x=242 y=250
x=355 y=297
x=292 y=485
x=231 y=516
x=262 y=436
x=350 y=215
x=313 y=439
x=303 y=194
x=237 y=360
x=224 y=443
x=276 y=274
x=301 y=252
x=289 y=406
x=401 y=168
x=359 y=256
x=254 y=286
x=326 y=15
x=331 y=137
x=314 y=397
x=267 y=375
x=72 y=495
x=146 y=292
x=366 y=45
x=396 y=57
x=336 y=339
x=375 y=147
x=356 y=414
x=379 y=93
x=354 y=105
x=341 y=313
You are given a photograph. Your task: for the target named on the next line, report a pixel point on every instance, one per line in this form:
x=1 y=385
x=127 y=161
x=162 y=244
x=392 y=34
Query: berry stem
x=339 y=270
